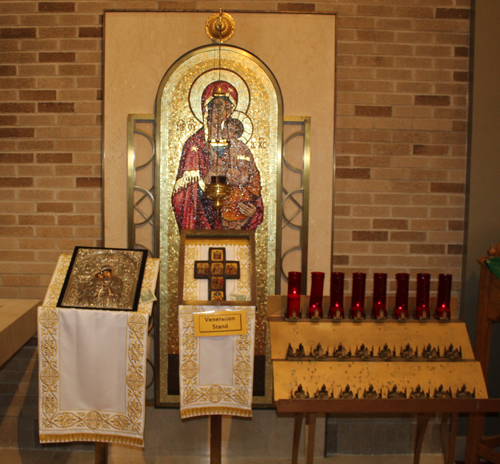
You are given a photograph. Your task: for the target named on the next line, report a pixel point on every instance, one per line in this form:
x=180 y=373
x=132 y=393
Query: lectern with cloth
x=92 y=366
x=216 y=335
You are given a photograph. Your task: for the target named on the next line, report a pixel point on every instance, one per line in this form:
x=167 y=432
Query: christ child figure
x=243 y=176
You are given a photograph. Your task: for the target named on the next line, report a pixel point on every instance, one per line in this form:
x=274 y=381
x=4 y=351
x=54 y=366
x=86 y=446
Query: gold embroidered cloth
x=216 y=373
x=92 y=368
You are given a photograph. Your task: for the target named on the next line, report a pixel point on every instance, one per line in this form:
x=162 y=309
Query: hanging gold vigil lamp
x=220 y=27
x=217 y=190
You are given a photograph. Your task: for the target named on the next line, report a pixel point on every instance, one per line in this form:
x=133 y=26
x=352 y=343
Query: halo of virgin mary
x=217 y=150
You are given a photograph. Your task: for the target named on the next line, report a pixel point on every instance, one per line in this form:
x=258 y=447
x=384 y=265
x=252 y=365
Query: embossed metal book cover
x=104 y=278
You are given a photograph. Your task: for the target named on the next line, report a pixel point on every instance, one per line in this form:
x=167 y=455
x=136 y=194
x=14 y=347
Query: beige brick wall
x=402 y=94
x=401 y=138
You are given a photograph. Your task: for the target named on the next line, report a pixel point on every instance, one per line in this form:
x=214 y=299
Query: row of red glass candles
x=379 y=310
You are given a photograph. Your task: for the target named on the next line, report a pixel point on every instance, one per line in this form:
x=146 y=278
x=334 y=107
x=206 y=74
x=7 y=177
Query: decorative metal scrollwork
x=295 y=197
x=141 y=174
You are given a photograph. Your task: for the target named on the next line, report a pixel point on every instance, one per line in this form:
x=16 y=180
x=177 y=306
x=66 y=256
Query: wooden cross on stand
x=217 y=270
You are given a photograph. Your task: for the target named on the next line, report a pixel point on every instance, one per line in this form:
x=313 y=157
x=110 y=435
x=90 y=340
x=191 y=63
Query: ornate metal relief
x=220 y=27
x=103 y=278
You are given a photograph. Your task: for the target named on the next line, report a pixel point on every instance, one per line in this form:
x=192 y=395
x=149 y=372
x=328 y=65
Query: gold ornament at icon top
x=220 y=27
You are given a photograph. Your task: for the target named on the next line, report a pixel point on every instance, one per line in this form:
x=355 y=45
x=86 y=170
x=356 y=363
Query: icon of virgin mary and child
x=217 y=150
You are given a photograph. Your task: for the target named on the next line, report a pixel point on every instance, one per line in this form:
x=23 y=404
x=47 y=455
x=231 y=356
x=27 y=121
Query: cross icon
x=217 y=270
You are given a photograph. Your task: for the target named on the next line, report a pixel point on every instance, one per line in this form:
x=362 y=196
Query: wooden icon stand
x=215 y=439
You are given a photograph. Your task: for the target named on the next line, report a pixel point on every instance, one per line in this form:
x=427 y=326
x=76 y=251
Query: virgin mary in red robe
x=211 y=151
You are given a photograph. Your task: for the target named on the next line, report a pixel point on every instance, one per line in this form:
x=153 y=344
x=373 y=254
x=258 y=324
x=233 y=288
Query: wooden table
x=17 y=325
x=424 y=408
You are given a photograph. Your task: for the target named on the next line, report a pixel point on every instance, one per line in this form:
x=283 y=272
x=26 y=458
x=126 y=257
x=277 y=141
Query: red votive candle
x=402 y=290
x=379 y=310
x=316 y=300
x=443 y=311
x=358 y=295
x=293 y=302
x=337 y=295
x=423 y=289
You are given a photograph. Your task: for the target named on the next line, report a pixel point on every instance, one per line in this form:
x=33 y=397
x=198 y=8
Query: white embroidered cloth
x=92 y=368
x=216 y=373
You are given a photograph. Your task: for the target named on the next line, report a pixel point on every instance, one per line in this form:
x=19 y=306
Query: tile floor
x=266 y=439
x=11 y=456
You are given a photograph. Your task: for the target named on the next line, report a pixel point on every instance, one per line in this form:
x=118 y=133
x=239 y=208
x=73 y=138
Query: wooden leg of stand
x=311 y=422
x=297 y=426
x=215 y=439
x=445 y=435
x=474 y=436
x=101 y=453
x=452 y=439
x=449 y=424
x=422 y=421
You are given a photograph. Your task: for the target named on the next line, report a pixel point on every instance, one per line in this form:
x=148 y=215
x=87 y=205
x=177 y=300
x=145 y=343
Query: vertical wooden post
x=482 y=347
x=422 y=421
x=311 y=422
x=101 y=453
x=215 y=439
x=296 y=437
x=450 y=435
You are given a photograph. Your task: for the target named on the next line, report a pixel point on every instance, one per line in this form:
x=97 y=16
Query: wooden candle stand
x=381 y=373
